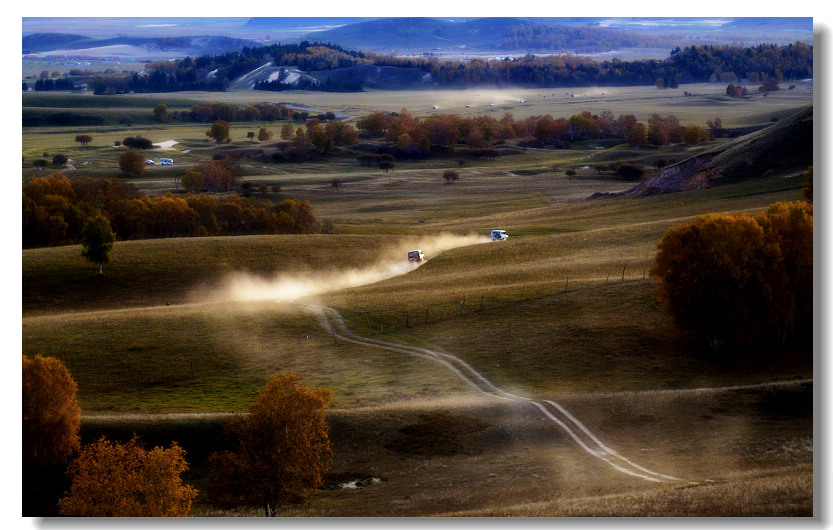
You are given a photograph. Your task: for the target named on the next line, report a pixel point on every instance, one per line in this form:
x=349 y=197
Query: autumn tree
x=83 y=139
x=282 y=449
x=735 y=279
x=111 y=479
x=192 y=180
x=637 y=135
x=160 y=112
x=219 y=131
x=789 y=226
x=264 y=134
x=51 y=415
x=287 y=131
x=97 y=242
x=132 y=163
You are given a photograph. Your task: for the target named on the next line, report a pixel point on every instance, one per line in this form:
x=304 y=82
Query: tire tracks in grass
x=333 y=321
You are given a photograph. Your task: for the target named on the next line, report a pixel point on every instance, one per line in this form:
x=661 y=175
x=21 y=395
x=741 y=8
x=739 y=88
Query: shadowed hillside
x=783 y=147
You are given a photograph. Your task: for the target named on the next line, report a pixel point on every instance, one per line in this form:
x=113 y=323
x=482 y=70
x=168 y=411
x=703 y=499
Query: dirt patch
x=440 y=434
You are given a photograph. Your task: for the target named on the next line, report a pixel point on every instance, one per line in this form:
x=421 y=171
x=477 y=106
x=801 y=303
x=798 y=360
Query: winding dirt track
x=333 y=321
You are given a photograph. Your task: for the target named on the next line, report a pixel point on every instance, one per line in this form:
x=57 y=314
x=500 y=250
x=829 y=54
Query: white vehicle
x=416 y=256
x=166 y=161
x=499 y=235
x=150 y=162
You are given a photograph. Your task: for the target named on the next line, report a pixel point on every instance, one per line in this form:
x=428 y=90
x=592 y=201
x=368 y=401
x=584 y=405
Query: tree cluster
x=740 y=280
x=56 y=210
x=412 y=136
x=280 y=454
x=688 y=65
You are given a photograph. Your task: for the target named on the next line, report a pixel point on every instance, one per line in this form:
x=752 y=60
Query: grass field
x=562 y=311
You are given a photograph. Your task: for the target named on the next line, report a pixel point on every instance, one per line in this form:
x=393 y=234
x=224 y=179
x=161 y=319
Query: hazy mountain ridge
x=185 y=46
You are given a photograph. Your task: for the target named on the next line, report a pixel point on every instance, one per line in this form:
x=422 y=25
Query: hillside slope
x=783 y=147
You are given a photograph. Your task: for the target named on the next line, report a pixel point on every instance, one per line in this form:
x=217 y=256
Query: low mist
x=241 y=287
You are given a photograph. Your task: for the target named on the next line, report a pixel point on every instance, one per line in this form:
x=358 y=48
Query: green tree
x=160 y=112
x=282 y=449
x=97 y=241
x=51 y=415
x=59 y=160
x=251 y=136
x=132 y=163
x=111 y=479
x=219 y=131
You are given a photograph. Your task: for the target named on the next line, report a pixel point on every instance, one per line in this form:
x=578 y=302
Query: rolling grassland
x=180 y=333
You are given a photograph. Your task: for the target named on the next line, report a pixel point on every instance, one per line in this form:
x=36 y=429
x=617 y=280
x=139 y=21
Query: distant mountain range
x=152 y=46
x=409 y=34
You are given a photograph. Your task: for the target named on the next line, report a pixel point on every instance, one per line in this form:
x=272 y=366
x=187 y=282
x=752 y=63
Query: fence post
x=566 y=283
x=462 y=304
x=482 y=296
x=623 y=271
x=426 y=316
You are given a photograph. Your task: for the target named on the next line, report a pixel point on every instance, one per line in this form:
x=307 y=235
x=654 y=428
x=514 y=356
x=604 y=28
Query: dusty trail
x=333 y=321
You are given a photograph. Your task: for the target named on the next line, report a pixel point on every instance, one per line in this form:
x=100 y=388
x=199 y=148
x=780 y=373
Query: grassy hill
x=784 y=147
x=164 y=346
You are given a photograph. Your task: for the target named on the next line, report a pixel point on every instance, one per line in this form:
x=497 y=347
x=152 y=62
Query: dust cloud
x=242 y=287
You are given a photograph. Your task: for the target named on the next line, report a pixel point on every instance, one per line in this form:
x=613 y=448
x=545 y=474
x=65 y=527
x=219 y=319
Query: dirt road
x=333 y=321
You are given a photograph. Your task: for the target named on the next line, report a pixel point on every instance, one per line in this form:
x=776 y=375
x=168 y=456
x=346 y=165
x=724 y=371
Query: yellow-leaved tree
x=738 y=279
x=282 y=448
x=111 y=479
x=51 y=415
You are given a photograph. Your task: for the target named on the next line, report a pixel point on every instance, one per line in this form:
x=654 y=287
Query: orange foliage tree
x=282 y=452
x=110 y=479
x=51 y=415
x=736 y=278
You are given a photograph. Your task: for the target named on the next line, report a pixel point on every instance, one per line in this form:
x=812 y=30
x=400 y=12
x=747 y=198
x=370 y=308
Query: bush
x=630 y=172
x=137 y=142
